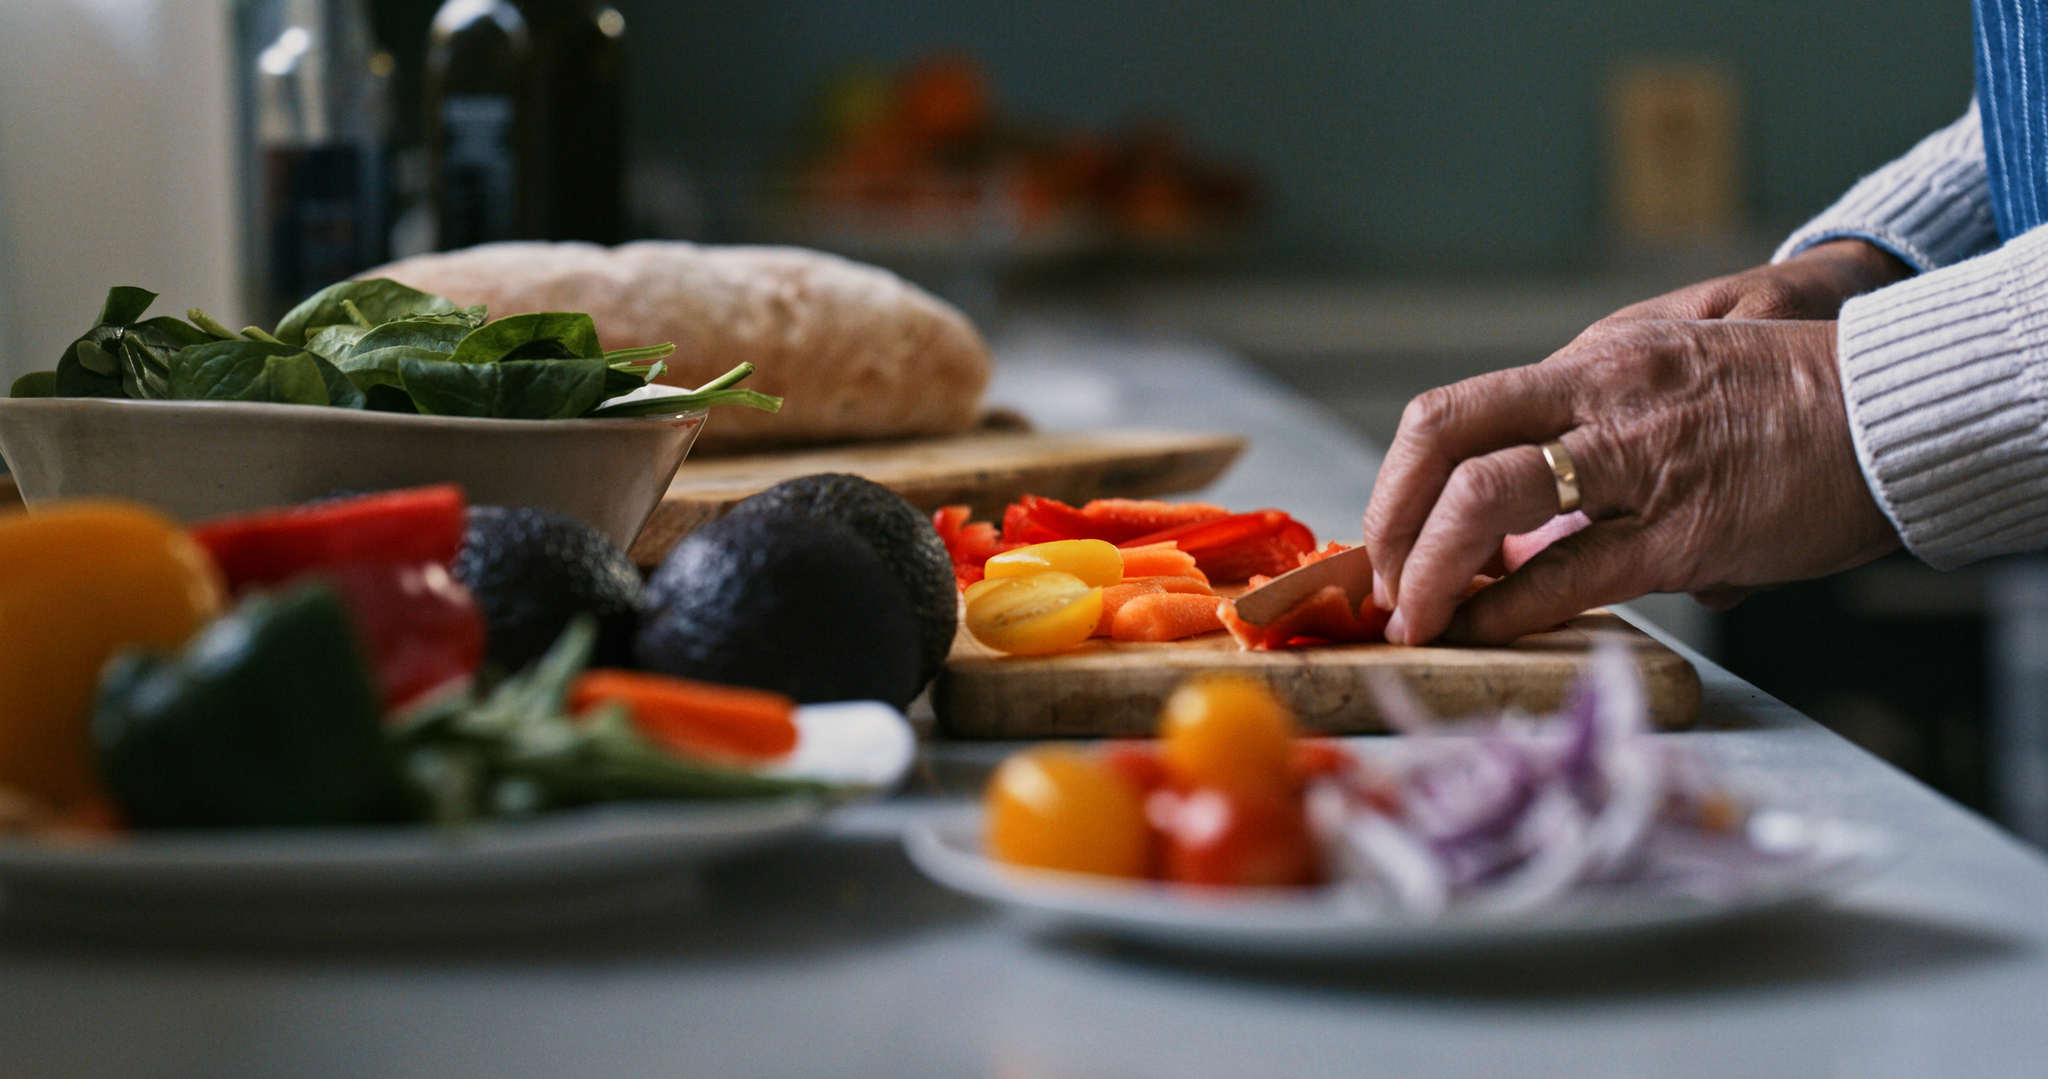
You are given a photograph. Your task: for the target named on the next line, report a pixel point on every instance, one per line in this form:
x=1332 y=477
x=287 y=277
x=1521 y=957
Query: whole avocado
x=903 y=537
x=798 y=605
x=532 y=570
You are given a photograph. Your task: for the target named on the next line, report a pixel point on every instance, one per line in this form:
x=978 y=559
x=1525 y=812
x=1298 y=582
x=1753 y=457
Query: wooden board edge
x=1135 y=475
x=1327 y=701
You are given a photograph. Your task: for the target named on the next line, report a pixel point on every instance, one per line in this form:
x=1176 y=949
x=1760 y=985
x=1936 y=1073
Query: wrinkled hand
x=1713 y=456
x=1811 y=285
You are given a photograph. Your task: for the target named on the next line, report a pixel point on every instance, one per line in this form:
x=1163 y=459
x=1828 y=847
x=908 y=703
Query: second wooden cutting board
x=985 y=469
x=1110 y=688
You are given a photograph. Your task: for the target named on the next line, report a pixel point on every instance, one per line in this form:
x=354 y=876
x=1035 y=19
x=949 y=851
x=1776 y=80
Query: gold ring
x=1567 y=473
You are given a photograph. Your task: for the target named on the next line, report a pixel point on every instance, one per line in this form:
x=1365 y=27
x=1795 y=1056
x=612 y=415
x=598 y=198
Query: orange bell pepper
x=78 y=583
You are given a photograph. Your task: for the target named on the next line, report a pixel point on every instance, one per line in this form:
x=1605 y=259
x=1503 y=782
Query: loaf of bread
x=855 y=352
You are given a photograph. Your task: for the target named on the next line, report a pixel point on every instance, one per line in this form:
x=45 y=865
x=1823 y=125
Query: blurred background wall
x=1394 y=137
x=117 y=165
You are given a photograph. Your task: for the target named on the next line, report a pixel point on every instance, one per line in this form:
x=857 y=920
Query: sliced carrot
x=1166 y=616
x=1115 y=596
x=1175 y=584
x=1160 y=560
x=695 y=719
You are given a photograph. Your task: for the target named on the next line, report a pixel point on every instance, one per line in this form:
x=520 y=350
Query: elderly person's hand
x=1712 y=456
x=1811 y=285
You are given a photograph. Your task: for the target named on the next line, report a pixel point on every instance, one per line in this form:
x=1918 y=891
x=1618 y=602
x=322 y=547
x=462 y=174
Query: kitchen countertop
x=832 y=957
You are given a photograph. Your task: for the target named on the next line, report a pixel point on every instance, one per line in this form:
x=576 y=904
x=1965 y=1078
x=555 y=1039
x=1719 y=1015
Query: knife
x=1350 y=570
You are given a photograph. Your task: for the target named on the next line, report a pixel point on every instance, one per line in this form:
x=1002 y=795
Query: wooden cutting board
x=1112 y=688
x=986 y=469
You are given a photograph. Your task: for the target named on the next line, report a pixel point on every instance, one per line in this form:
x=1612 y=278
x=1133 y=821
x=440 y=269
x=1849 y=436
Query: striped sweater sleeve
x=1946 y=380
x=1931 y=207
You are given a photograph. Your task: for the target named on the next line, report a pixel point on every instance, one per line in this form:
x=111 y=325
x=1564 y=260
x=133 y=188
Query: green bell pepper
x=268 y=718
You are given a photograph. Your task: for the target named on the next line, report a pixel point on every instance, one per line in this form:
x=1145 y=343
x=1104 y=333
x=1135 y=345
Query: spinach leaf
x=547 y=335
x=35 y=384
x=380 y=367
x=630 y=356
x=145 y=372
x=335 y=342
x=124 y=304
x=99 y=351
x=512 y=389
x=688 y=402
x=430 y=334
x=342 y=392
x=120 y=356
x=389 y=399
x=248 y=371
x=165 y=333
x=378 y=299
x=75 y=379
x=621 y=381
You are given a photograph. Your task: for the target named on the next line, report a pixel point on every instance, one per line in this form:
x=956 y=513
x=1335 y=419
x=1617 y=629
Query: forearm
x=1930 y=208
x=1946 y=382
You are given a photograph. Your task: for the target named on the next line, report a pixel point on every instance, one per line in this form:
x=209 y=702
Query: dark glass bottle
x=479 y=130
x=317 y=92
x=579 y=177
x=525 y=121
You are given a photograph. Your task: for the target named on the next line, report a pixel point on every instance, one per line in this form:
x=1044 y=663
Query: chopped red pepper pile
x=1227 y=547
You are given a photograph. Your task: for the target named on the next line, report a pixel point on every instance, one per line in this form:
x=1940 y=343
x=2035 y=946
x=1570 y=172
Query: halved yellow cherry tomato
x=1031 y=616
x=1060 y=808
x=976 y=589
x=1096 y=562
x=1227 y=731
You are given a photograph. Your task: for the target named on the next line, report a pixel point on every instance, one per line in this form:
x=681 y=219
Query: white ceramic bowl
x=198 y=459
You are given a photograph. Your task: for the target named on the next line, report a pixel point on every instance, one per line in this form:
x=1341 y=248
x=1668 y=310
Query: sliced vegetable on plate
x=1259 y=840
x=346 y=687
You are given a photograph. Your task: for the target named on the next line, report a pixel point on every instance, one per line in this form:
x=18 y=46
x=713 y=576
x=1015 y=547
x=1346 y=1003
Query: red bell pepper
x=1034 y=519
x=389 y=555
x=418 y=625
x=1326 y=617
x=970 y=544
x=1232 y=549
x=420 y=525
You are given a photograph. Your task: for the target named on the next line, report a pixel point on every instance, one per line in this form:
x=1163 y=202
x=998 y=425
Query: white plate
x=591 y=862
x=1333 y=922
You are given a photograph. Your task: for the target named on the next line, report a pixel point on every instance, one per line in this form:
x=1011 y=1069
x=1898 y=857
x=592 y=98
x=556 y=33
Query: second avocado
x=903 y=538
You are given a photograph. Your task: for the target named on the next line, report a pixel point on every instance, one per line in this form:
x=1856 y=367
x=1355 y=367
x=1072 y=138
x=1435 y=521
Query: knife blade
x=1350 y=570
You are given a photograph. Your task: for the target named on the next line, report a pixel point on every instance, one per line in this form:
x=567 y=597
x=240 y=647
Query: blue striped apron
x=2012 y=94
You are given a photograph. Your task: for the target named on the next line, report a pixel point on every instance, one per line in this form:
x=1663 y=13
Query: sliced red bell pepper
x=971 y=544
x=1032 y=519
x=418 y=625
x=1035 y=519
x=411 y=527
x=1231 y=549
x=1325 y=617
x=1130 y=518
